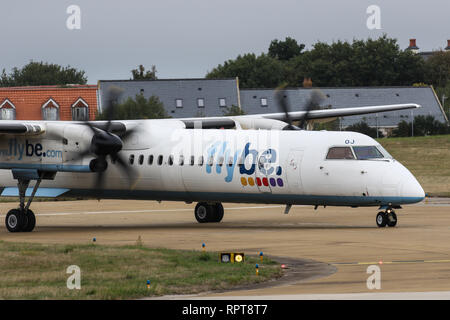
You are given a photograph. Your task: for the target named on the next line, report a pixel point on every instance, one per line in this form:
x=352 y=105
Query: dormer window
x=50 y=110
x=7 y=110
x=264 y=102
x=80 y=110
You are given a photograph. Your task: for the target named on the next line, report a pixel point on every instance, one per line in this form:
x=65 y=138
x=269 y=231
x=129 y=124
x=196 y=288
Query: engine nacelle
x=260 y=123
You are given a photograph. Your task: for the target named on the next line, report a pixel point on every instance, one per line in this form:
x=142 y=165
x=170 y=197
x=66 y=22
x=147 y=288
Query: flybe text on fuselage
x=249 y=160
x=28 y=149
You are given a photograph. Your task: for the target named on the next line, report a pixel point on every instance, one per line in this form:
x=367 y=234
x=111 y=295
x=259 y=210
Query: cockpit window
x=384 y=152
x=340 y=153
x=368 y=152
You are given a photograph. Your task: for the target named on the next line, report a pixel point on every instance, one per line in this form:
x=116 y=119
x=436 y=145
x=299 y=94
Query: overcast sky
x=187 y=38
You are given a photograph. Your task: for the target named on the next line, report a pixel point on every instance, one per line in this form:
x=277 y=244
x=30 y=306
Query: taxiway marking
x=389 y=262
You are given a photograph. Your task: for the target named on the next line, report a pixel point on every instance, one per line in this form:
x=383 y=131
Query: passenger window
x=181 y=160
x=230 y=161
x=369 y=152
x=240 y=161
x=200 y=161
x=141 y=159
x=210 y=161
x=340 y=153
x=150 y=160
x=220 y=162
x=160 y=160
x=192 y=160
x=131 y=158
x=170 y=160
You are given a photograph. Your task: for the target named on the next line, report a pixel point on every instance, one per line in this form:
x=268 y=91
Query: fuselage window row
x=170 y=160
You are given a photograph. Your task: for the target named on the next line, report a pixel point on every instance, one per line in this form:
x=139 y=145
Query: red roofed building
x=72 y=102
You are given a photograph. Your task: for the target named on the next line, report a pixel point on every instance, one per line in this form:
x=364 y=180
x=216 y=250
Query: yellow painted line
x=390 y=262
x=437 y=261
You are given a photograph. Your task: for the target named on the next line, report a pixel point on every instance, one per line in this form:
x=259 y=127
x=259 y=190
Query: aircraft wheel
x=15 y=220
x=218 y=212
x=392 y=219
x=381 y=219
x=204 y=212
x=30 y=221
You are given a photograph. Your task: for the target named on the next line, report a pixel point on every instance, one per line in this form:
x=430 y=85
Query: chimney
x=448 y=46
x=413 y=46
x=307 y=82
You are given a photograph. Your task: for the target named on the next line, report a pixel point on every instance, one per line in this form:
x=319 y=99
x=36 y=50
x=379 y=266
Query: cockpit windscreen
x=367 y=152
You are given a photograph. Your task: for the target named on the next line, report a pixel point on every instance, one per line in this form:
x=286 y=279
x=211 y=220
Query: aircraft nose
x=412 y=189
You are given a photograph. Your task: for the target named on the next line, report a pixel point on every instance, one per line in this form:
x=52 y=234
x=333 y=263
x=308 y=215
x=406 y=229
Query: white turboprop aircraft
x=242 y=159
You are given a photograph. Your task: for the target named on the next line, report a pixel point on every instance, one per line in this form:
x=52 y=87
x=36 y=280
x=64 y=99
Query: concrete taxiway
x=413 y=257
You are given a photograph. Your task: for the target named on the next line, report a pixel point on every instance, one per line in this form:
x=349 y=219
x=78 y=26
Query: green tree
x=403 y=129
x=139 y=108
x=253 y=71
x=364 y=128
x=360 y=63
x=285 y=50
x=438 y=69
x=40 y=73
x=422 y=126
x=233 y=111
x=141 y=74
x=370 y=62
x=333 y=125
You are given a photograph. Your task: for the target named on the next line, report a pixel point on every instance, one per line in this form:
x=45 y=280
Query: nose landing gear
x=386 y=218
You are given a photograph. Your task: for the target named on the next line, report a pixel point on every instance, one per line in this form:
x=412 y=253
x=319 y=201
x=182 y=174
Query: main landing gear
x=208 y=212
x=22 y=219
x=386 y=218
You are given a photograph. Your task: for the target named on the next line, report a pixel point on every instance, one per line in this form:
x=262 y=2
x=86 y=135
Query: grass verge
x=428 y=159
x=38 y=271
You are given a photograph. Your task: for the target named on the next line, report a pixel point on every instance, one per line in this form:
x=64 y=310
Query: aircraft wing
x=262 y=121
x=341 y=112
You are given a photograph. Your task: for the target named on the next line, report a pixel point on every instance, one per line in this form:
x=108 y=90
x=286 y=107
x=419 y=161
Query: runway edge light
x=227 y=257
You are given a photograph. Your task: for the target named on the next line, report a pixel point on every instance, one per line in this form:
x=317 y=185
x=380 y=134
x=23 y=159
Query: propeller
x=105 y=143
x=313 y=103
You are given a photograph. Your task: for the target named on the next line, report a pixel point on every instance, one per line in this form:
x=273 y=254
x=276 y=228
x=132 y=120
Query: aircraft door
x=293 y=171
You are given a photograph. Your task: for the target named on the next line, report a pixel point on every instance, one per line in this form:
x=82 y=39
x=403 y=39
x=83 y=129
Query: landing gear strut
x=386 y=218
x=207 y=212
x=22 y=219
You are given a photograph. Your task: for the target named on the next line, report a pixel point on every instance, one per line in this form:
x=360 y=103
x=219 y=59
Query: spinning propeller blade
x=105 y=143
x=313 y=103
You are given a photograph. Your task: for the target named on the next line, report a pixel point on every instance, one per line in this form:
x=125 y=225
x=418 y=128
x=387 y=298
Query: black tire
x=381 y=219
x=204 y=212
x=30 y=221
x=392 y=219
x=218 y=212
x=15 y=220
